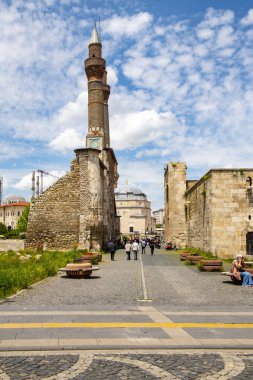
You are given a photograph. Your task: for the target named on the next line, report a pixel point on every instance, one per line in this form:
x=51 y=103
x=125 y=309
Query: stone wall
x=198 y=203
x=54 y=216
x=11 y=244
x=220 y=212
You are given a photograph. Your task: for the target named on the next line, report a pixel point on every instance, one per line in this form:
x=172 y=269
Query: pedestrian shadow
x=80 y=278
x=230 y=283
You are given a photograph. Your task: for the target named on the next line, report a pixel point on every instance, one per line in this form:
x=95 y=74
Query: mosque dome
x=14 y=198
x=129 y=191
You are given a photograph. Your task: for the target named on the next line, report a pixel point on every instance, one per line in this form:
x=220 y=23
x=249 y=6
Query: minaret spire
x=95 y=39
x=98 y=94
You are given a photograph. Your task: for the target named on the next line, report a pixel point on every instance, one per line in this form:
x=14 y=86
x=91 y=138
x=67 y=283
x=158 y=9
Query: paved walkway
x=111 y=365
x=155 y=303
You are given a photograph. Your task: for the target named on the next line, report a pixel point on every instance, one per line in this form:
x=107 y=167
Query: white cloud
x=205 y=33
x=139 y=128
x=128 y=26
x=67 y=140
x=248 y=20
x=225 y=37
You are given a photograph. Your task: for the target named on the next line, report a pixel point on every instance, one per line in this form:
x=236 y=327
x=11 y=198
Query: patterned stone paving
x=169 y=365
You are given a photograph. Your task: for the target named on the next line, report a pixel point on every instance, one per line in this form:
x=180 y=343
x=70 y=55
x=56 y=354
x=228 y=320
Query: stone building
x=11 y=210
x=159 y=220
x=159 y=216
x=214 y=213
x=79 y=209
x=134 y=210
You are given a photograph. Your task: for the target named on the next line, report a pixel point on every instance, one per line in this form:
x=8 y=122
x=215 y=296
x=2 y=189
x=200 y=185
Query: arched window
x=249 y=181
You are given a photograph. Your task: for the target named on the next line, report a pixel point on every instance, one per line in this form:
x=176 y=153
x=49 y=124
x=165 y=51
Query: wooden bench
x=184 y=255
x=211 y=265
x=194 y=259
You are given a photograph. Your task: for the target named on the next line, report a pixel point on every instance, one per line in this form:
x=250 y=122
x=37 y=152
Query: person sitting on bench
x=240 y=272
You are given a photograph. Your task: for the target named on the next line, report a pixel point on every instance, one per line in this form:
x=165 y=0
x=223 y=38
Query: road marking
x=143 y=281
x=98 y=325
x=178 y=335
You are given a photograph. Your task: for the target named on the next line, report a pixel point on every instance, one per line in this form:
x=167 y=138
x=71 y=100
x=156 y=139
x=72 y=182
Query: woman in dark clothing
x=112 y=249
x=152 y=247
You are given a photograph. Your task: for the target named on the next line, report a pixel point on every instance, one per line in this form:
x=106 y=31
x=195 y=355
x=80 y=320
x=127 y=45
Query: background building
x=214 y=213
x=134 y=210
x=11 y=210
x=159 y=220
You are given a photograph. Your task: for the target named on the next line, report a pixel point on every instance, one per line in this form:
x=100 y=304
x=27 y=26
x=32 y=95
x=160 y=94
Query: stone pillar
x=91 y=192
x=175 y=188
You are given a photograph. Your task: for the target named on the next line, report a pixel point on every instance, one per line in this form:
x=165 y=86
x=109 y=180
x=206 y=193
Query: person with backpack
x=112 y=249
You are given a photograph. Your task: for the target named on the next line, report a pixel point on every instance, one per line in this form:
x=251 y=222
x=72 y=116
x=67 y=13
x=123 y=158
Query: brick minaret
x=98 y=95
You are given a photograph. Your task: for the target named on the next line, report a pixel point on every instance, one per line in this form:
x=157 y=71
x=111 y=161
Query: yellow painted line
x=99 y=325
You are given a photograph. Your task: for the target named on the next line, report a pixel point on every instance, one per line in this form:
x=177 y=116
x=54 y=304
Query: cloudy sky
x=181 y=76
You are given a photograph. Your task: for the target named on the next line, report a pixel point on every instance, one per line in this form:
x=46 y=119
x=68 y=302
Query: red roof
x=15 y=204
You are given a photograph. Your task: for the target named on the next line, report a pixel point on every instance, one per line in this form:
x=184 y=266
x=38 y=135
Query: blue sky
x=181 y=76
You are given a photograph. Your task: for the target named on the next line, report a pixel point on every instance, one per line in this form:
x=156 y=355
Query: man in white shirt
x=135 y=248
x=128 y=247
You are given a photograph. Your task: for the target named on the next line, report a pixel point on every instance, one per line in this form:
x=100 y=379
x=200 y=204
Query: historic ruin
x=79 y=209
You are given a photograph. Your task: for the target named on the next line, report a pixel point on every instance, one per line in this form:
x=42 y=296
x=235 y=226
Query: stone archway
x=247 y=238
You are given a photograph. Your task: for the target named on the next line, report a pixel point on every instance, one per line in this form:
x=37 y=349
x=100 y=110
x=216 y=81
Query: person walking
x=143 y=246
x=152 y=247
x=135 y=248
x=112 y=249
x=128 y=247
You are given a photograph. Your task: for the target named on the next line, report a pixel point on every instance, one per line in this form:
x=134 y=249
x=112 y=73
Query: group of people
x=133 y=246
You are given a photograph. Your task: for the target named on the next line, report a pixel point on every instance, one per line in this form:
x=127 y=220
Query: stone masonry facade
x=214 y=213
x=79 y=209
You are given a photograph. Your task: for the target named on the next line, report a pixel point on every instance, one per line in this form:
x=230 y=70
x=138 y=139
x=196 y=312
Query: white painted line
x=143 y=281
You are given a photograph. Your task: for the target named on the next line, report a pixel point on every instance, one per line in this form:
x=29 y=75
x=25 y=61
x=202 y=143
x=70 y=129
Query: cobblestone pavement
x=169 y=365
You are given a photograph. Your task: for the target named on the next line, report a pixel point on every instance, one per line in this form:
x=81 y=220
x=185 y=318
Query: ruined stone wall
x=220 y=212
x=112 y=227
x=232 y=207
x=175 y=188
x=199 y=215
x=54 y=216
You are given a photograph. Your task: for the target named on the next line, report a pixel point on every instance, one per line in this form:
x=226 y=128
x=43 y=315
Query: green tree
x=3 y=229
x=23 y=220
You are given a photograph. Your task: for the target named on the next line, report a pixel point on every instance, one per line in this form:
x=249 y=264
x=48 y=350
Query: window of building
x=131 y=229
x=249 y=243
x=18 y=213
